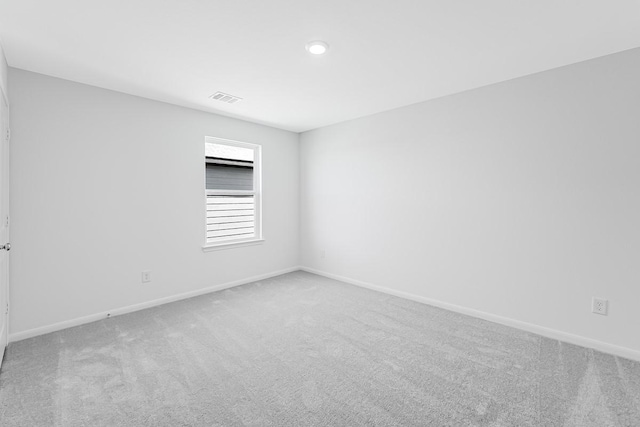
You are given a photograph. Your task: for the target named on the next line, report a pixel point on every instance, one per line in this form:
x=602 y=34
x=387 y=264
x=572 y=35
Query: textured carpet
x=303 y=350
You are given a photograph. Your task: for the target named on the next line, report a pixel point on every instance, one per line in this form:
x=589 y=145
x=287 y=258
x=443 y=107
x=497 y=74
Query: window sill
x=231 y=245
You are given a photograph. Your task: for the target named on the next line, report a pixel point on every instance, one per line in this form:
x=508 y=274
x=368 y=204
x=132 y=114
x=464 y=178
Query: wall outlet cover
x=599 y=306
x=146 y=276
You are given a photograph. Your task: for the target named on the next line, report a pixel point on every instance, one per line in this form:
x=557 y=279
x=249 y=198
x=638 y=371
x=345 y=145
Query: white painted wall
x=105 y=185
x=519 y=199
x=4 y=71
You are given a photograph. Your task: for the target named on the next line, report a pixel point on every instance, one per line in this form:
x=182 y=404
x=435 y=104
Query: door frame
x=5 y=226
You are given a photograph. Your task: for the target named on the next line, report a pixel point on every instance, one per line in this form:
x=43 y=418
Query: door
x=4 y=223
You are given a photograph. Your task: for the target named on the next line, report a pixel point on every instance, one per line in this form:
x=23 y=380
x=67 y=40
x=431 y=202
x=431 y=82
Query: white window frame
x=257 y=197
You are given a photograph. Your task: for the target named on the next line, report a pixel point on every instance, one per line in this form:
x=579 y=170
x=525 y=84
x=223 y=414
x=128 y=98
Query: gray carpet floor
x=303 y=350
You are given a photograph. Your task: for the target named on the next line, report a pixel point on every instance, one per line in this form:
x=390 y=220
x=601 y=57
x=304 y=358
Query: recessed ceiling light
x=317 y=47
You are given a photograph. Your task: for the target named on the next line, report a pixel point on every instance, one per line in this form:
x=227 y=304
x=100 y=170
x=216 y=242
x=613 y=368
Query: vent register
x=225 y=97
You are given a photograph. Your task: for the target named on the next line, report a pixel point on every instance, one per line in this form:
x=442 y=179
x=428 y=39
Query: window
x=232 y=171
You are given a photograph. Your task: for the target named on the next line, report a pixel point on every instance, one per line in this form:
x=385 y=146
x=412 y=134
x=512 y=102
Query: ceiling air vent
x=225 y=97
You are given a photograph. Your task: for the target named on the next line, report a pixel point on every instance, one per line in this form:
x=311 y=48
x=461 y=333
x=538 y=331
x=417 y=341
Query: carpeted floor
x=302 y=350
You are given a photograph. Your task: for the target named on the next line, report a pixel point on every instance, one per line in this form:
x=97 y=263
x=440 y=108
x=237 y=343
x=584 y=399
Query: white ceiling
x=383 y=53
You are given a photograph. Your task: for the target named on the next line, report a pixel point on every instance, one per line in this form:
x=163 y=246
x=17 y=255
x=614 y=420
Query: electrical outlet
x=599 y=306
x=146 y=276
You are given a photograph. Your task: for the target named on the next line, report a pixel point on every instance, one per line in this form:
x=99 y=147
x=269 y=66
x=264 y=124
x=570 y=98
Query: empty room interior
x=334 y=213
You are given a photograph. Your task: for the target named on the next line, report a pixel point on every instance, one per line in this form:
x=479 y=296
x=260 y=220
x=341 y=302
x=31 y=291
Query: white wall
x=520 y=199
x=3 y=72
x=105 y=185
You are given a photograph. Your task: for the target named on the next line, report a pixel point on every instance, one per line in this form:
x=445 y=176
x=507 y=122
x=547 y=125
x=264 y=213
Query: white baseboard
x=529 y=327
x=141 y=306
